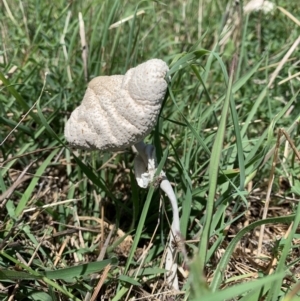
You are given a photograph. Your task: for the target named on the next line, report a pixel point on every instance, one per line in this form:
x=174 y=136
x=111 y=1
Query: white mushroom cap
x=119 y=110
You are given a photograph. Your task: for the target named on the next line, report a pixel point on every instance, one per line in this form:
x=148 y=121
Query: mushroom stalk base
x=145 y=165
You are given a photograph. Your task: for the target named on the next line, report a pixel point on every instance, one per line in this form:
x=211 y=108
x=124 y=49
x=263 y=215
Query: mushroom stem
x=165 y=185
x=171 y=262
x=145 y=166
x=147 y=152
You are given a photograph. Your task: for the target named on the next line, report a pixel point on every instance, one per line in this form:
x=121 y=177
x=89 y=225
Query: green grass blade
x=30 y=189
x=236 y=291
x=275 y=289
x=36 y=274
x=213 y=177
x=81 y=270
x=195 y=133
x=144 y=214
x=225 y=258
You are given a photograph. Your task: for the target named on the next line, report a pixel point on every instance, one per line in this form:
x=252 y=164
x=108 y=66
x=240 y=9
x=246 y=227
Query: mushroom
x=119 y=111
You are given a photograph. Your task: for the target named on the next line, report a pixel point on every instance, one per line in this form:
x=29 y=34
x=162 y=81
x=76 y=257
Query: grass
x=76 y=226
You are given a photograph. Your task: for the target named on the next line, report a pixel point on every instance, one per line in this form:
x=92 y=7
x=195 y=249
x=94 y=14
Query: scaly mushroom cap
x=119 y=110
